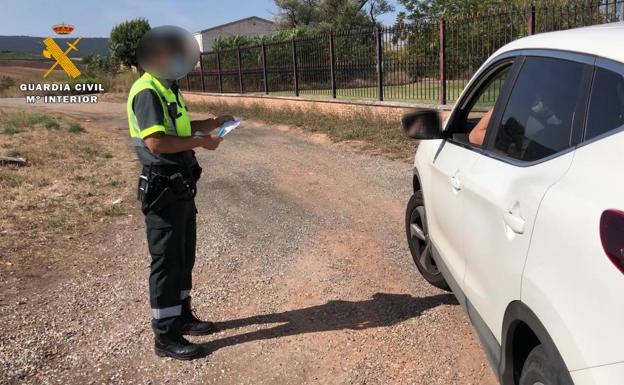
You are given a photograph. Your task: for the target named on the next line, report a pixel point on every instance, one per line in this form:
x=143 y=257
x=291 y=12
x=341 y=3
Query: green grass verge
x=425 y=92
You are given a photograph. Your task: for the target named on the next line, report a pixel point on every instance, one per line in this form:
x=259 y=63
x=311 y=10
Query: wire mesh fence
x=427 y=61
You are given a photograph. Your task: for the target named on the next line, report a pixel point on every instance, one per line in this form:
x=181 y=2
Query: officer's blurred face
x=159 y=60
x=168 y=52
x=168 y=65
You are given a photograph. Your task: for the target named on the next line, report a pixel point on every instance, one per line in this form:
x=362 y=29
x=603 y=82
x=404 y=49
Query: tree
x=297 y=13
x=419 y=9
x=376 y=8
x=124 y=39
x=323 y=15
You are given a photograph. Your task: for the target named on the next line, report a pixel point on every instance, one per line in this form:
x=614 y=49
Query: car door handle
x=514 y=222
x=456 y=183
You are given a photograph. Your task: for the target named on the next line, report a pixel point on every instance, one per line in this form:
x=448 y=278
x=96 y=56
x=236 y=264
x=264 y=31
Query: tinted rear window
x=606 y=106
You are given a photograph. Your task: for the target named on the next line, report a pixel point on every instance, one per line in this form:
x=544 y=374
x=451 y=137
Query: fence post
x=295 y=67
x=201 y=71
x=240 y=72
x=188 y=82
x=220 y=77
x=264 y=70
x=531 y=20
x=380 y=93
x=442 y=64
x=332 y=65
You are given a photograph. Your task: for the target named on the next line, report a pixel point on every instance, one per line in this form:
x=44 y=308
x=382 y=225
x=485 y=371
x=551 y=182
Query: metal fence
x=427 y=61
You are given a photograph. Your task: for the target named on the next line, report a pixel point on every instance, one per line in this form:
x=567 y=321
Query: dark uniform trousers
x=171 y=238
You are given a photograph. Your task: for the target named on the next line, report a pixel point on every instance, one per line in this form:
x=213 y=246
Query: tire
x=419 y=243
x=542 y=368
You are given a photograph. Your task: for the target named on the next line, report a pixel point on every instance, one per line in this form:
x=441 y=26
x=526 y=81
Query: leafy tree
x=324 y=15
x=376 y=8
x=124 y=39
x=297 y=13
x=419 y=9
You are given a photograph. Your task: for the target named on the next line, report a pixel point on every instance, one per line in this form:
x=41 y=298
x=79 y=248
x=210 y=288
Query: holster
x=156 y=191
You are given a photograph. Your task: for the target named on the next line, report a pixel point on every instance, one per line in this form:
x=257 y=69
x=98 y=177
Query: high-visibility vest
x=180 y=126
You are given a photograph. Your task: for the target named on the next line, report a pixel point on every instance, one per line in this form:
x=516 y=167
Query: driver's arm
x=477 y=135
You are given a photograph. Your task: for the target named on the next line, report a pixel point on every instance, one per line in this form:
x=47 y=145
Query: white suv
x=527 y=226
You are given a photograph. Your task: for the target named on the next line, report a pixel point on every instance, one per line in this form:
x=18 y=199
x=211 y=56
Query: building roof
x=235 y=22
x=599 y=40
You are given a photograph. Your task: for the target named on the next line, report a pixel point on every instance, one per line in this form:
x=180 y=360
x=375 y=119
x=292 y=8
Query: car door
x=444 y=205
x=528 y=148
x=443 y=197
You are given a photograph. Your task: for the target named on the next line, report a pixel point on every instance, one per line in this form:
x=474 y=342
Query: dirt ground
x=301 y=261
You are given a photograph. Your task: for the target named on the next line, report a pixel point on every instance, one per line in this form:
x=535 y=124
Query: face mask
x=177 y=68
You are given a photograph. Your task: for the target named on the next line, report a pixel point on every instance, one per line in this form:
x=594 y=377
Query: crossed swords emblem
x=54 y=51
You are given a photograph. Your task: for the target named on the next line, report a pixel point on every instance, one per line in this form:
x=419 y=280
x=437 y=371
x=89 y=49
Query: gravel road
x=302 y=261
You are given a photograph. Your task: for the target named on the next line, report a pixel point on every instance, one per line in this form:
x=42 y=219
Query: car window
x=537 y=121
x=482 y=104
x=481 y=112
x=606 y=106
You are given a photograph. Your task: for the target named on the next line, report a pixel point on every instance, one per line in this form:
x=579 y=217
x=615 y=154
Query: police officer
x=164 y=139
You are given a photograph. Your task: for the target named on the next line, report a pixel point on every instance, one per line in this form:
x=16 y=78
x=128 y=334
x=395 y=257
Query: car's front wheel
x=419 y=242
x=541 y=368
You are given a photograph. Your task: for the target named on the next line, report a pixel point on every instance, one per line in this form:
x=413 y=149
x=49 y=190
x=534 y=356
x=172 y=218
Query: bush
x=88 y=151
x=10 y=129
x=57 y=221
x=9 y=180
x=98 y=63
x=75 y=128
x=6 y=83
x=50 y=123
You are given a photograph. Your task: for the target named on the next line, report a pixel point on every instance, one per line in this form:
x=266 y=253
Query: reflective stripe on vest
x=181 y=126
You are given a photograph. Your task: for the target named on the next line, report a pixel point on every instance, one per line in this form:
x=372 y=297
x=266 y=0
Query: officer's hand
x=211 y=142
x=223 y=119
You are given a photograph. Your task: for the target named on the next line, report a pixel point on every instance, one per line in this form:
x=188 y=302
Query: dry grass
x=68 y=186
x=371 y=131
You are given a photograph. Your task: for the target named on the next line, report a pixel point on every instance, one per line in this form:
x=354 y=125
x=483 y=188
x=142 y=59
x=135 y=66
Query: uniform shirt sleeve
x=149 y=113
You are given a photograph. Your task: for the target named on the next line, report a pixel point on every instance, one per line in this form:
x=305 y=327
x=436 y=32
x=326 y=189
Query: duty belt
x=159 y=186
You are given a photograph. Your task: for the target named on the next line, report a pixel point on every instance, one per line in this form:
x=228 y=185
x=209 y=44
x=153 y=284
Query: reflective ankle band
x=167 y=312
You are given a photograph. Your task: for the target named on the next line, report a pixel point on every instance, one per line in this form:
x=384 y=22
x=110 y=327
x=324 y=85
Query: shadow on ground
x=381 y=310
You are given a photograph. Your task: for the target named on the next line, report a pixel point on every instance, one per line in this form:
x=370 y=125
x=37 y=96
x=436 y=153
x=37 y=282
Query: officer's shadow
x=381 y=310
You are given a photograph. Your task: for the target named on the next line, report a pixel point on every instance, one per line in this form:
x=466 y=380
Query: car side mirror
x=422 y=124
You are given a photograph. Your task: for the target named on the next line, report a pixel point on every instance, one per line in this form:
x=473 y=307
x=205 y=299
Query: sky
x=93 y=18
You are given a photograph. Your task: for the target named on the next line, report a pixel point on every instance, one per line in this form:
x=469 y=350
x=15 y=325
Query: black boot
x=176 y=347
x=191 y=325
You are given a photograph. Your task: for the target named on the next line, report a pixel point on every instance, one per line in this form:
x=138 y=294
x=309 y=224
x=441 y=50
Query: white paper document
x=224 y=129
x=229 y=126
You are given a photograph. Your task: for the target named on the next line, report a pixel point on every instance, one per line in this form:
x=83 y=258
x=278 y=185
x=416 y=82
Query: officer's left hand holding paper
x=225 y=128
